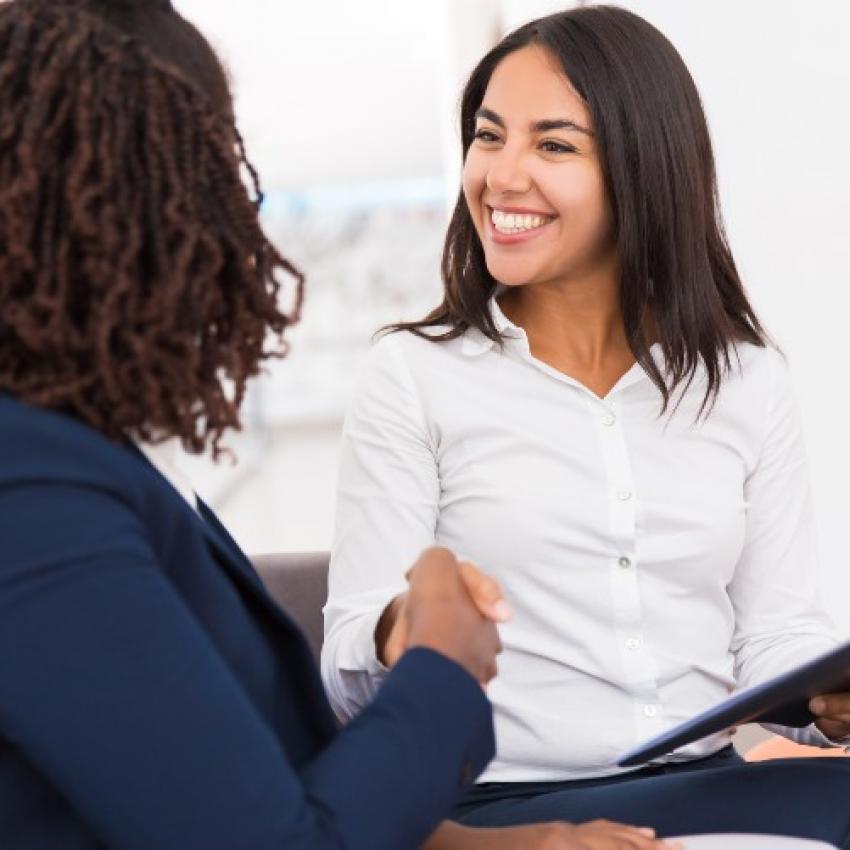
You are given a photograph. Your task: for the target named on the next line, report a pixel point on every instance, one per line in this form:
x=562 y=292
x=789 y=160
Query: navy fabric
x=153 y=695
x=801 y=798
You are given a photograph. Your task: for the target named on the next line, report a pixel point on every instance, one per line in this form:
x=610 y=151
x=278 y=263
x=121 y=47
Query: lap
x=805 y=798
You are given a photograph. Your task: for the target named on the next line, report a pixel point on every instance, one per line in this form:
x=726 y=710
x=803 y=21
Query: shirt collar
x=475 y=342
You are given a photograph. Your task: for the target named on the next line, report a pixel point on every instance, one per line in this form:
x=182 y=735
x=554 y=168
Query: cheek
x=581 y=200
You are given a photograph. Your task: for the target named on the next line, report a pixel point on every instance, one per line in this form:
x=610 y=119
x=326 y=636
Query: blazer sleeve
x=113 y=691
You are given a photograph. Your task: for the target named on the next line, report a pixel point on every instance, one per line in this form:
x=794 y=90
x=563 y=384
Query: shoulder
x=67 y=492
x=411 y=357
x=762 y=372
x=411 y=346
x=38 y=445
x=758 y=360
x=759 y=395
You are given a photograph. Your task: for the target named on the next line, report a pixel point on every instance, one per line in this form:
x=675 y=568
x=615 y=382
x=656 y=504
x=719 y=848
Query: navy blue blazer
x=153 y=696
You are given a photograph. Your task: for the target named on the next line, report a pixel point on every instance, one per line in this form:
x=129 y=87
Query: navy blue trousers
x=804 y=798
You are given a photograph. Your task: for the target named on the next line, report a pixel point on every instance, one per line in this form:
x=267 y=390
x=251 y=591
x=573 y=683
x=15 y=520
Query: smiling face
x=532 y=178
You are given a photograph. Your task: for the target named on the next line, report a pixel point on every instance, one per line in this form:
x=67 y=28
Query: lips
x=511 y=226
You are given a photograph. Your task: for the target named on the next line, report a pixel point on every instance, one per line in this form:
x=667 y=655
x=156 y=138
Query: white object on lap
x=739 y=841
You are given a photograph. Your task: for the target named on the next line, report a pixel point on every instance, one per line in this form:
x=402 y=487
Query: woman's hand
x=392 y=633
x=440 y=612
x=833 y=714
x=596 y=835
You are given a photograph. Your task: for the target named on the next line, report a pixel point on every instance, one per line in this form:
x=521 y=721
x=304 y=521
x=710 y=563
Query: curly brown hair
x=137 y=288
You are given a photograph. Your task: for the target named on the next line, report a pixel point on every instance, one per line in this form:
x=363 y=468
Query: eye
x=551 y=146
x=486 y=136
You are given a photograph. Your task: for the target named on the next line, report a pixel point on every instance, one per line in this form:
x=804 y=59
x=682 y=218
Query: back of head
x=170 y=38
x=136 y=286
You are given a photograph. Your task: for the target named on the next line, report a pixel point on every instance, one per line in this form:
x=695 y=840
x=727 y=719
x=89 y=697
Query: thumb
x=485 y=592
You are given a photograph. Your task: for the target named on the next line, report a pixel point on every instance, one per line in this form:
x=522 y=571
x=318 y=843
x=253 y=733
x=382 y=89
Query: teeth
x=514 y=223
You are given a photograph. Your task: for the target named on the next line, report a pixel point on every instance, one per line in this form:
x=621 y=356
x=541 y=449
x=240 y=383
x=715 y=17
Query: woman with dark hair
x=152 y=695
x=595 y=413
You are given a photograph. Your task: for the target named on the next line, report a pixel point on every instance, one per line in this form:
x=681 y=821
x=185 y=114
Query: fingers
x=835 y=728
x=617 y=836
x=485 y=592
x=495 y=647
x=830 y=705
x=833 y=714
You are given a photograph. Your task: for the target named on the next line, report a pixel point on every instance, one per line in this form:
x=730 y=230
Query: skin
x=563 y=282
x=833 y=714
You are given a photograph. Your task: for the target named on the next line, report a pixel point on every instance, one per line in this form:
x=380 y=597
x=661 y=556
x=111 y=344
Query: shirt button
x=650 y=710
x=625 y=562
x=633 y=643
x=609 y=419
x=624 y=495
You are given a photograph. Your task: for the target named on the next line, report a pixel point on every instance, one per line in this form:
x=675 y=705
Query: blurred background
x=349 y=111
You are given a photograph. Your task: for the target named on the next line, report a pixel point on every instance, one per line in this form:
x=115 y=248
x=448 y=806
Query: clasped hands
x=453 y=608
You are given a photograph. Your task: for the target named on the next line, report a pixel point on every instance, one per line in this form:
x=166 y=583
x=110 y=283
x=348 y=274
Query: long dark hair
x=659 y=172
x=136 y=286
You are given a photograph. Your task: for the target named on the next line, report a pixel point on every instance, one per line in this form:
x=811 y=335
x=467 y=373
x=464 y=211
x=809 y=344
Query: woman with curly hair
x=151 y=693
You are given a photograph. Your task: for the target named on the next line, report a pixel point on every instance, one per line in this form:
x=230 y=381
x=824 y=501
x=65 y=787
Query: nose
x=507 y=173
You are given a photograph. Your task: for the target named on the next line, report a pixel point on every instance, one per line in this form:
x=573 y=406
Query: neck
x=578 y=320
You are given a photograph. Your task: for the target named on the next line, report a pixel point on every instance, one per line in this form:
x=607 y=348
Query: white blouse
x=653 y=561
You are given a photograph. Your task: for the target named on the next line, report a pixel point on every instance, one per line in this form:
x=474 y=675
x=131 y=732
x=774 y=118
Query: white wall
x=348 y=91
x=332 y=91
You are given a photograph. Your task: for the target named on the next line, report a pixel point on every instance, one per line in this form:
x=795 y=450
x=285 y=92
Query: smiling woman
x=593 y=414
x=592 y=119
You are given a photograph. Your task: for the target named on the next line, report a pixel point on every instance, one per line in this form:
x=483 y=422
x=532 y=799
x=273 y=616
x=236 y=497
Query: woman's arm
x=116 y=695
x=386 y=514
x=779 y=618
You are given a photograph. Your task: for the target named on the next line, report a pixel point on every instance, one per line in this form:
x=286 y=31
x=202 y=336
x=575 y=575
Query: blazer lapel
x=238 y=564
x=240 y=567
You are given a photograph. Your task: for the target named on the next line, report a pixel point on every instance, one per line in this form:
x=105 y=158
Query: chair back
x=299 y=584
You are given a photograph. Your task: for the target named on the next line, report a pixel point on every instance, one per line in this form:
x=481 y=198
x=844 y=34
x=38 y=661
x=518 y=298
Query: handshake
x=452 y=608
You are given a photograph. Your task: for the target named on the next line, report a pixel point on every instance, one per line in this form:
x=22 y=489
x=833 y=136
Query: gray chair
x=299 y=584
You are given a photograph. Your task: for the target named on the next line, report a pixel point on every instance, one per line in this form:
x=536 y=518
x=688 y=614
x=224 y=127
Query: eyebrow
x=538 y=126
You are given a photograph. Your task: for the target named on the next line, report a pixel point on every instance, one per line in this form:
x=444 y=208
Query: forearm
x=385 y=626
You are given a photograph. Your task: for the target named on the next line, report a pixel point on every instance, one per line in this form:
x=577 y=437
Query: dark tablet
x=783 y=700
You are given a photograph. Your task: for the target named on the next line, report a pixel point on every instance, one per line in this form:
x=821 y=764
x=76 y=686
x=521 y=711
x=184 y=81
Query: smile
x=510 y=223
x=515 y=228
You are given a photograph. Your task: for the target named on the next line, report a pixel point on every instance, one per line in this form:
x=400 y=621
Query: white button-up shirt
x=653 y=561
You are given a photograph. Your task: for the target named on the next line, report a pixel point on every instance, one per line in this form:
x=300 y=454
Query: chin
x=509 y=274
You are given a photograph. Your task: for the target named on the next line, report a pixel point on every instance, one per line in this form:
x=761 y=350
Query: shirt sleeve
x=115 y=694
x=780 y=621
x=386 y=515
